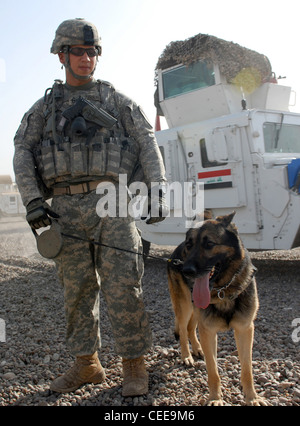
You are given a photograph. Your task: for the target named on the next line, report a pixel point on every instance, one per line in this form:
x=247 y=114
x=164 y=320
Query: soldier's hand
x=39 y=214
x=163 y=211
x=157 y=207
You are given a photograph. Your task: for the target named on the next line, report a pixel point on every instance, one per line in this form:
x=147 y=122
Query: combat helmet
x=74 y=32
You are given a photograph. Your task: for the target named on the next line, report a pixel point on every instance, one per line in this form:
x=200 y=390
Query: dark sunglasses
x=80 y=51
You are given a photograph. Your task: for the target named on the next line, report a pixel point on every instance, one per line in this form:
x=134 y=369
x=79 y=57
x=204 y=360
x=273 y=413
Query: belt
x=78 y=188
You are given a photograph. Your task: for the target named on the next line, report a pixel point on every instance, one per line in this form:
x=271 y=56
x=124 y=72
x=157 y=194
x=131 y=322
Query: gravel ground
x=31 y=304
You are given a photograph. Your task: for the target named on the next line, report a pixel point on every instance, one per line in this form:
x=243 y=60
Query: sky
x=134 y=33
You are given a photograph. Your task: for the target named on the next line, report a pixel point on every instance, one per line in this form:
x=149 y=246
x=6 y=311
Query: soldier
x=80 y=134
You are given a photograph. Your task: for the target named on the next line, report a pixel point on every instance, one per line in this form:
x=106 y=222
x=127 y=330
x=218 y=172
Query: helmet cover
x=74 y=32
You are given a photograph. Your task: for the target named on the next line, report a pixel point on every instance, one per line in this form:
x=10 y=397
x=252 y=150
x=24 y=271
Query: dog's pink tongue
x=201 y=293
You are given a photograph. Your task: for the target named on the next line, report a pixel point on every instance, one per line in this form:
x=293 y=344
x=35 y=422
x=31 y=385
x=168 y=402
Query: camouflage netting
x=231 y=57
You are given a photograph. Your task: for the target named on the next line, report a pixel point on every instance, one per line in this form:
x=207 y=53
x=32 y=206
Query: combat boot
x=86 y=369
x=135 y=377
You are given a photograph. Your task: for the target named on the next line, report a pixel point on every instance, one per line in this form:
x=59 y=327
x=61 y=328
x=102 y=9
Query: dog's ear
x=226 y=220
x=201 y=217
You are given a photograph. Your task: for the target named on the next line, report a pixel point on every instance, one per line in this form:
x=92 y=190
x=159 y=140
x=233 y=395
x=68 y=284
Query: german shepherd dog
x=212 y=285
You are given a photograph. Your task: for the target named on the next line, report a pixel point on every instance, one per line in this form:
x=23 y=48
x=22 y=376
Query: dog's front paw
x=214 y=402
x=188 y=361
x=198 y=352
x=256 y=401
x=214 y=399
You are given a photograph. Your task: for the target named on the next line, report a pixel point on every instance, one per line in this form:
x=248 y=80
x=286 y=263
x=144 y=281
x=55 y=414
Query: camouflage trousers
x=84 y=268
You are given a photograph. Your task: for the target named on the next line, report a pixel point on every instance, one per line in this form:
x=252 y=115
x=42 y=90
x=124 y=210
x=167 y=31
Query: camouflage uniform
x=46 y=163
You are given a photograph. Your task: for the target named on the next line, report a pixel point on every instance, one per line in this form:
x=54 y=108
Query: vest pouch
x=97 y=159
x=62 y=160
x=78 y=159
x=128 y=162
x=113 y=159
x=48 y=160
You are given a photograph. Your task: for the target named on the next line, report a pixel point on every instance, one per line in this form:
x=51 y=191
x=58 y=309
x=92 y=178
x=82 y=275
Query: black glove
x=38 y=212
x=157 y=207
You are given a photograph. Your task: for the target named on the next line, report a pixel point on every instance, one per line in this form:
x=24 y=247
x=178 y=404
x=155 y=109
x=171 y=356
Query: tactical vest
x=78 y=144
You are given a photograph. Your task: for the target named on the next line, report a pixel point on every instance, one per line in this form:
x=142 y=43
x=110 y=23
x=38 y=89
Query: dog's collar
x=221 y=291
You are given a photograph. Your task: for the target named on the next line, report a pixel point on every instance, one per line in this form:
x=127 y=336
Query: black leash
x=96 y=243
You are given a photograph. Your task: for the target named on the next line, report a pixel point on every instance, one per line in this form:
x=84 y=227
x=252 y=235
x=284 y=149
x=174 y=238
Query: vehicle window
x=187 y=78
x=204 y=157
x=281 y=137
